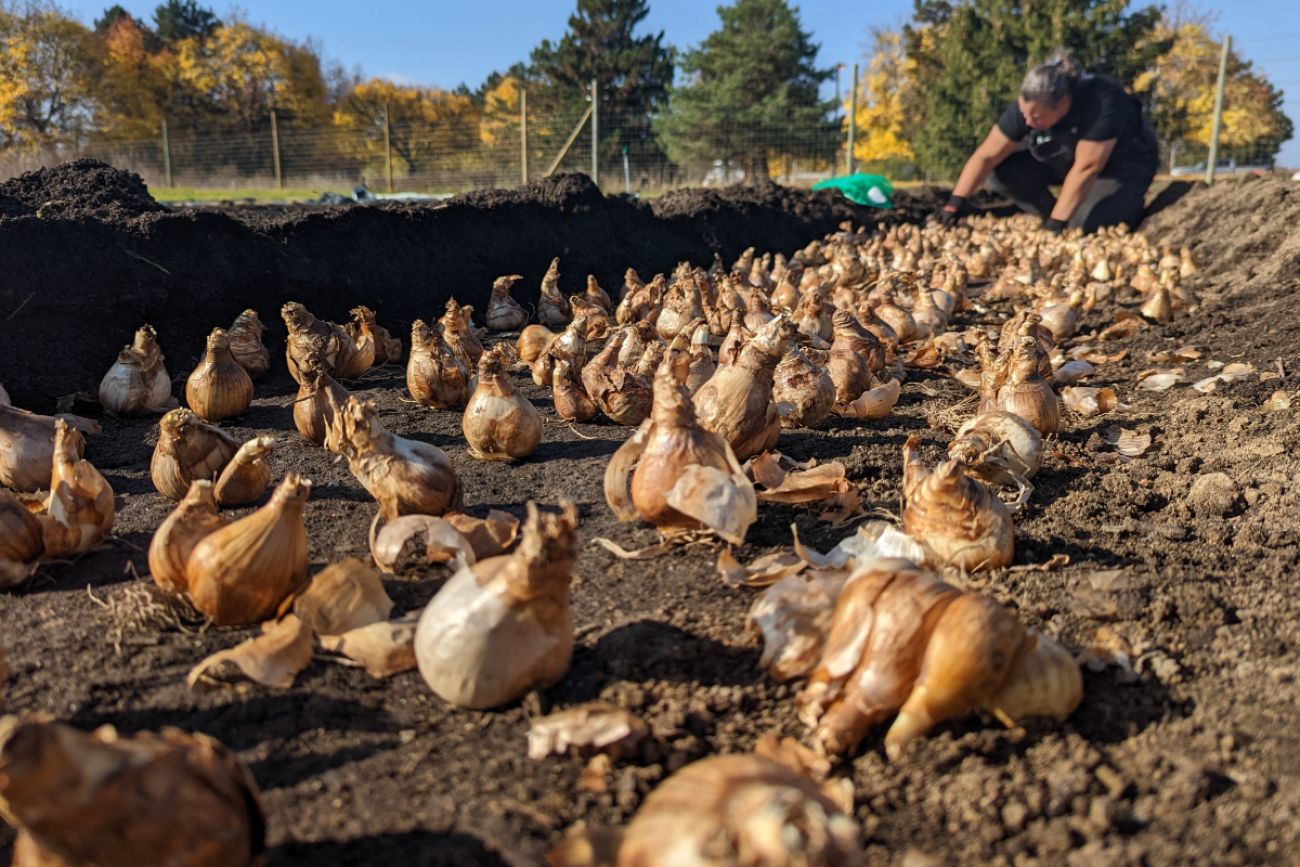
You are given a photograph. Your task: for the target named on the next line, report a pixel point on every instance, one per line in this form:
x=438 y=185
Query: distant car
x=1223 y=167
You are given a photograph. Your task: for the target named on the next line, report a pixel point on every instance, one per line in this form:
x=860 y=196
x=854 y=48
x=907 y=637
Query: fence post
x=595 y=134
x=275 y=151
x=388 y=147
x=523 y=135
x=166 y=154
x=853 y=121
x=1218 y=112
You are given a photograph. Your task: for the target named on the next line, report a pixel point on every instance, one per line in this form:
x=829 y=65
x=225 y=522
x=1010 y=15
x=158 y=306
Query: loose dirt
x=1191 y=757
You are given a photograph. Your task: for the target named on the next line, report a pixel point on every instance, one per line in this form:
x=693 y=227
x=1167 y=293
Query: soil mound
x=79 y=190
x=105 y=258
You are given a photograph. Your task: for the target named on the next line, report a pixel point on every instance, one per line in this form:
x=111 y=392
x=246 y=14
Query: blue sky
x=444 y=44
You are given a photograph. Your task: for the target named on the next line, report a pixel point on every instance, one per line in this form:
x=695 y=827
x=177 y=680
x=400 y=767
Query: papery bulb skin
x=312 y=344
x=966 y=661
x=532 y=340
x=26 y=450
x=598 y=296
x=956 y=519
x=242 y=572
x=503 y=312
x=855 y=355
x=405 y=476
x=314 y=408
x=674 y=441
x=500 y=424
x=387 y=348
x=138 y=382
x=194 y=518
x=246 y=344
x=21 y=541
x=571 y=400
x=458 y=331
x=219 y=388
x=740 y=810
x=737 y=401
x=702 y=365
x=615 y=389
x=247 y=476
x=80 y=508
x=803 y=390
x=502 y=627
x=1026 y=393
x=435 y=375
x=118 y=800
x=999 y=448
x=552 y=308
x=188 y=449
x=1044 y=682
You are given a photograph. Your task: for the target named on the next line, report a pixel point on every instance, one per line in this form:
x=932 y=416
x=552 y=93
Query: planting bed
x=1192 y=756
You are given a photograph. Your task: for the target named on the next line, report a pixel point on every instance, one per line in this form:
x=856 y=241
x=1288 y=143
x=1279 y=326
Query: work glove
x=1054 y=225
x=954 y=210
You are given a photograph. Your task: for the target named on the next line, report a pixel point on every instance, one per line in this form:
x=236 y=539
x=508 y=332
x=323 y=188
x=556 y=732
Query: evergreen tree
x=633 y=73
x=750 y=93
x=971 y=55
x=178 y=20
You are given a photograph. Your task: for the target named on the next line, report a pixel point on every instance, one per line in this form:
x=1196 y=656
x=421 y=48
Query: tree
x=633 y=73
x=429 y=128
x=890 y=81
x=178 y=20
x=241 y=72
x=750 y=90
x=1182 y=83
x=972 y=54
x=50 y=64
x=133 y=84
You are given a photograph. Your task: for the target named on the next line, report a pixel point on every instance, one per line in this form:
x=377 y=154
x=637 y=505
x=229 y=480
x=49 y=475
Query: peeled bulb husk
x=193 y=519
x=218 y=388
x=406 y=477
x=999 y=448
x=242 y=572
x=246 y=344
x=503 y=312
x=248 y=474
x=500 y=424
x=188 y=449
x=956 y=519
x=435 y=376
x=79 y=510
x=737 y=402
x=617 y=391
x=100 y=798
x=27 y=448
x=740 y=810
x=502 y=627
x=312 y=344
x=21 y=541
x=685 y=478
x=903 y=642
x=138 y=383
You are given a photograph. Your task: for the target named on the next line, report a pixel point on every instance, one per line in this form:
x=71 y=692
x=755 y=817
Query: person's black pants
x=1117 y=195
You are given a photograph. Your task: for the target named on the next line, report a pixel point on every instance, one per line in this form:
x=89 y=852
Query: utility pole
x=595 y=133
x=388 y=146
x=166 y=154
x=1218 y=111
x=853 y=121
x=523 y=136
x=275 y=151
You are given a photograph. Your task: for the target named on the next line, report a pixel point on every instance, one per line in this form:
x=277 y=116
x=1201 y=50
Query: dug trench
x=1185 y=556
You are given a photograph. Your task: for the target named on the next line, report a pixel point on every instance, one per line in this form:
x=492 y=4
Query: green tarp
x=872 y=190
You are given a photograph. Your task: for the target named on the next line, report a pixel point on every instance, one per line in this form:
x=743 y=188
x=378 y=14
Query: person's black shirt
x=1100 y=110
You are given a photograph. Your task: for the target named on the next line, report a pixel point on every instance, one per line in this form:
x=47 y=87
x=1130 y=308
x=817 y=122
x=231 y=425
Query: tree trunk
x=756 y=170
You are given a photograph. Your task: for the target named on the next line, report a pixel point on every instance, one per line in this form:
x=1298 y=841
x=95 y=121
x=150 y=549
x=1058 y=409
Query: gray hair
x=1052 y=81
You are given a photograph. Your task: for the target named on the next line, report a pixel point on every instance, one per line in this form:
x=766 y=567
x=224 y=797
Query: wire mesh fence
x=480 y=152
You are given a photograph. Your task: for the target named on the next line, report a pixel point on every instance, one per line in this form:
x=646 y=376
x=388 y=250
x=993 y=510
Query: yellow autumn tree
x=1182 y=85
x=883 y=91
x=243 y=72
x=133 y=84
x=49 y=65
x=501 y=112
x=429 y=129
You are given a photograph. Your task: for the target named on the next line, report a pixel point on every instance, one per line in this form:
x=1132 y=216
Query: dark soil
x=84 y=246
x=1193 y=757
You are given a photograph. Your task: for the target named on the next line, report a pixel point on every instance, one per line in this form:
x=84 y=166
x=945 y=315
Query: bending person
x=1080 y=131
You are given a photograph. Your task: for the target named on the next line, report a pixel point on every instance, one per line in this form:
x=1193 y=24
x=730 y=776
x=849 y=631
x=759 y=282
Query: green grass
x=217 y=194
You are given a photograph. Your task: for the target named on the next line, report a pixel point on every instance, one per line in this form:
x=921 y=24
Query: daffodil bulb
x=138 y=382
x=219 y=388
x=500 y=424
